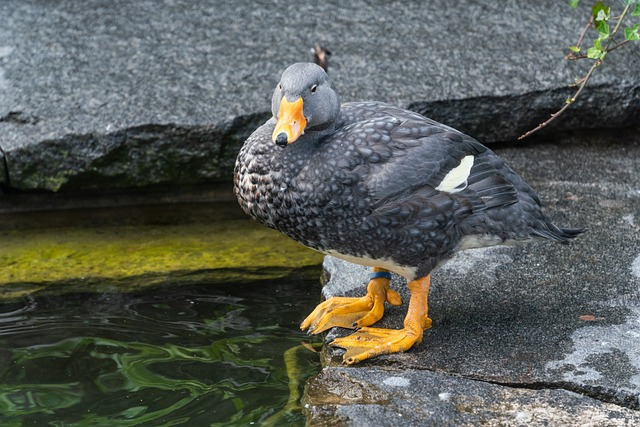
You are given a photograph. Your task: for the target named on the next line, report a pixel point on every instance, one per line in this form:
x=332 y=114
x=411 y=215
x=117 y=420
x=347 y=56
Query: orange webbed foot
x=353 y=313
x=370 y=342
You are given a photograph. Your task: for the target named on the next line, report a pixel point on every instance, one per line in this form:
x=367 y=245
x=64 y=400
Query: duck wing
x=407 y=155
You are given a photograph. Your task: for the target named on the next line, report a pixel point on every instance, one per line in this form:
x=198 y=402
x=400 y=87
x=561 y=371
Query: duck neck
x=316 y=133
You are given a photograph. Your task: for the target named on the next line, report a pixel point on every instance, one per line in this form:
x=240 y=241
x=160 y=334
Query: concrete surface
x=538 y=334
x=128 y=94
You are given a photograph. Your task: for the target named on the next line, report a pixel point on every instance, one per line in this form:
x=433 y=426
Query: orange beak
x=291 y=122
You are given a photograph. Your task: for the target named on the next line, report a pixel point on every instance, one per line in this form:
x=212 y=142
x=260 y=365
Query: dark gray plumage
x=381 y=186
x=366 y=181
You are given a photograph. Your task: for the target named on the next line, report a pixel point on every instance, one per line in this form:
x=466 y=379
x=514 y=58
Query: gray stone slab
x=86 y=89
x=4 y=174
x=411 y=397
x=538 y=316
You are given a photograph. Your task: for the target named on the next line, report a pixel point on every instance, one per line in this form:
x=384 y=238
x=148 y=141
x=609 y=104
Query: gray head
x=304 y=103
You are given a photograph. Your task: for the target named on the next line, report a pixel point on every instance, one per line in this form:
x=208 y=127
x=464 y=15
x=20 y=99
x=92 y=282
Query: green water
x=151 y=315
x=201 y=355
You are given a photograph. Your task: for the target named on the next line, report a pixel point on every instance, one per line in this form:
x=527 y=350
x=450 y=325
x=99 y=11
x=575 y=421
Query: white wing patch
x=456 y=179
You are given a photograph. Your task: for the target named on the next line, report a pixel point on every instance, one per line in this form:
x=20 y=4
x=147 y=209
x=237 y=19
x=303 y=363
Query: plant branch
x=567 y=104
x=571 y=55
x=617 y=27
x=585 y=79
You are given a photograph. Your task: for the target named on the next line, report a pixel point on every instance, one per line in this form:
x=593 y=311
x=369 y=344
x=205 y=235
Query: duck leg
x=370 y=342
x=353 y=313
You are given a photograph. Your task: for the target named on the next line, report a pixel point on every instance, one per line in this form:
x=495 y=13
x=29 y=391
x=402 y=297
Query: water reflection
x=189 y=355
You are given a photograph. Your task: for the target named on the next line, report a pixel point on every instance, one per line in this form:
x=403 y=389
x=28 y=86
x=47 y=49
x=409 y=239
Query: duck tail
x=558 y=234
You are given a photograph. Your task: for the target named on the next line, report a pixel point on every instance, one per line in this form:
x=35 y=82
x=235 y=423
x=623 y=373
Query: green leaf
x=628 y=2
x=603 y=30
x=602 y=16
x=636 y=11
x=600 y=12
x=574 y=3
x=632 y=32
x=574 y=49
x=597 y=44
x=594 y=53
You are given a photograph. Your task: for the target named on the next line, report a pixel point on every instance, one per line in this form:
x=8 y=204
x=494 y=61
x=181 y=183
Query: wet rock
x=4 y=175
x=538 y=325
x=130 y=247
x=134 y=94
x=136 y=157
x=495 y=118
x=413 y=397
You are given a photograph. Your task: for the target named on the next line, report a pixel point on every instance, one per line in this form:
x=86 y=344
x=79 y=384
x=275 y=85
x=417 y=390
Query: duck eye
x=280 y=86
x=314 y=88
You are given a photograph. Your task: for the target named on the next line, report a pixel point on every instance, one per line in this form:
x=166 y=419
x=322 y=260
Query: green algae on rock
x=119 y=251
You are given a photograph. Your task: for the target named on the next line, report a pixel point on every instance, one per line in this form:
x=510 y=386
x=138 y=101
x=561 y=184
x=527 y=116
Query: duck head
x=304 y=103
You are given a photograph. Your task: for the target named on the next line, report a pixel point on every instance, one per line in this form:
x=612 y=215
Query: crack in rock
x=604 y=395
x=428 y=397
x=19 y=118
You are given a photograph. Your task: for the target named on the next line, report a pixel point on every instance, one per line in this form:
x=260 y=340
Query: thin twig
x=567 y=104
x=617 y=45
x=571 y=55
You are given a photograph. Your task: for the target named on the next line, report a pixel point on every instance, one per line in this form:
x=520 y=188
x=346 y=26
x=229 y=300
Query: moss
x=115 y=252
